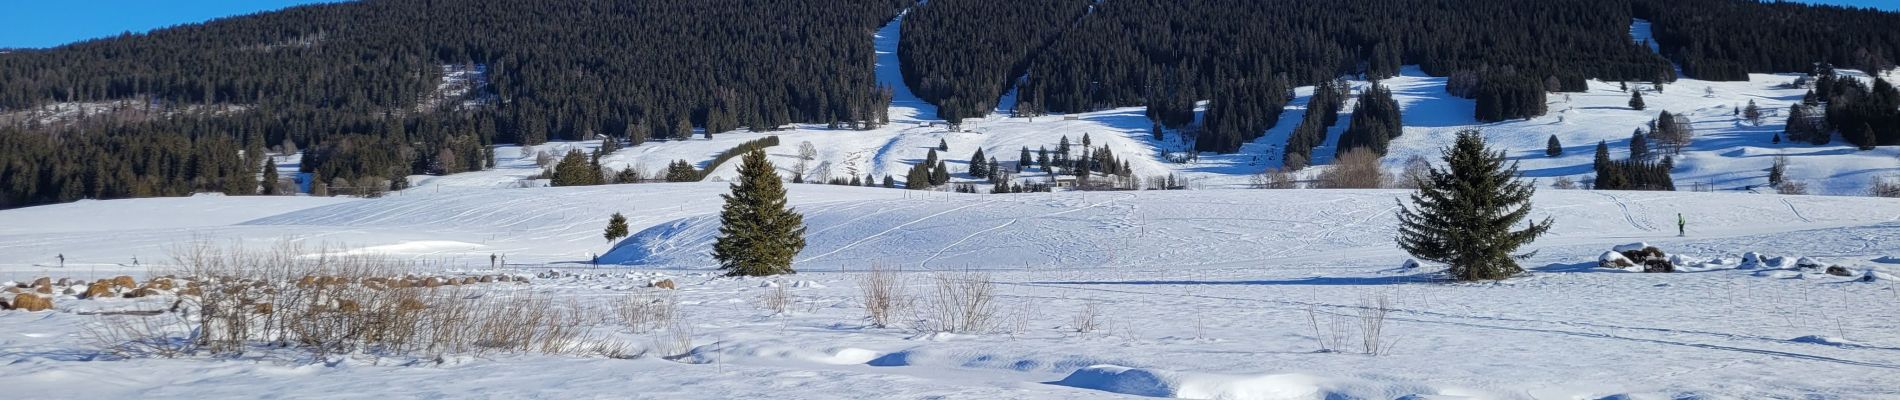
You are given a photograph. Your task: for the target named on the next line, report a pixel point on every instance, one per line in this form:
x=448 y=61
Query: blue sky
x=47 y=23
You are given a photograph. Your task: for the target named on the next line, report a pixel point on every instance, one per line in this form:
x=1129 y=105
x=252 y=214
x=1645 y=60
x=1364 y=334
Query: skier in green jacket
x=1682 y=225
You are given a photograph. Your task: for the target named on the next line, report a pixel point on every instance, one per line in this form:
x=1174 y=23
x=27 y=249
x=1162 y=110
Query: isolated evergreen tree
x=1085 y=140
x=1042 y=157
x=1777 y=139
x=889 y=183
x=1464 y=215
x=979 y=166
x=681 y=171
x=918 y=178
x=616 y=227
x=575 y=170
x=1639 y=145
x=1023 y=161
x=1779 y=171
x=1553 y=148
x=758 y=234
x=1156 y=131
x=270 y=177
x=943 y=145
x=1636 y=101
x=1603 y=155
x=940 y=174
x=1752 y=113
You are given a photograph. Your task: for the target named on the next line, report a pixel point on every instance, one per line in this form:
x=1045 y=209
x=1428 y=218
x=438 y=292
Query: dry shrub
x=138 y=336
x=1335 y=332
x=1792 y=188
x=961 y=302
x=31 y=302
x=644 y=312
x=882 y=295
x=1564 y=183
x=1885 y=187
x=1357 y=169
x=778 y=300
x=281 y=297
x=1088 y=319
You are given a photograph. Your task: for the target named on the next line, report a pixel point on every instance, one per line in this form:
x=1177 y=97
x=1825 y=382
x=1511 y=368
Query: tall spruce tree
x=1636 y=101
x=758 y=234
x=979 y=166
x=1464 y=215
x=616 y=227
x=270 y=176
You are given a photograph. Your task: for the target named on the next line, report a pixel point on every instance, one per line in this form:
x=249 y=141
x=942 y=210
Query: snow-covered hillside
x=1728 y=153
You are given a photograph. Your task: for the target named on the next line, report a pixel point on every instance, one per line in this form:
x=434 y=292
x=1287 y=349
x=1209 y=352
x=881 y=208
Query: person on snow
x=1682 y=225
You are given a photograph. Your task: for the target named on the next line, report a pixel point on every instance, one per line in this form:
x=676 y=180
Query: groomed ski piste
x=1201 y=294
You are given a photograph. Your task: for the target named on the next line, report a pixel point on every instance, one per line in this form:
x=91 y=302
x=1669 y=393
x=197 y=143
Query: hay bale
x=265 y=309
x=193 y=291
x=141 y=292
x=487 y=279
x=663 y=284
x=1612 y=259
x=470 y=280
x=65 y=282
x=1837 y=270
x=521 y=279
x=97 y=290
x=43 y=289
x=125 y=282
x=347 y=305
x=31 y=302
x=42 y=281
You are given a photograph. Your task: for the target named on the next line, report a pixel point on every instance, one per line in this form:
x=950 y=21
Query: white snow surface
x=1202 y=294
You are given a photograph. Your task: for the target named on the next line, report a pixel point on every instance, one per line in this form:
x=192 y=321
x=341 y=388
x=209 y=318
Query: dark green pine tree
x=1636 y=101
x=890 y=183
x=943 y=145
x=1464 y=215
x=270 y=176
x=575 y=170
x=1554 y=148
x=616 y=227
x=1024 y=160
x=758 y=234
x=1156 y=131
x=918 y=178
x=681 y=171
x=940 y=174
x=1639 y=145
x=979 y=165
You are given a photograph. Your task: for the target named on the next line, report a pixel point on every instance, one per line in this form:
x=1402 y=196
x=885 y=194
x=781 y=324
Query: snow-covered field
x=1202 y=294
x=1214 y=294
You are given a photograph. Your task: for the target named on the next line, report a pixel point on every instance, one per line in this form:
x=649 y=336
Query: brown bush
x=664 y=284
x=125 y=282
x=98 y=289
x=31 y=302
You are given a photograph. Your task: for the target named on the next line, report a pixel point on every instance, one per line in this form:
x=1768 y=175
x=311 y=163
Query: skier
x=1682 y=225
x=62 y=260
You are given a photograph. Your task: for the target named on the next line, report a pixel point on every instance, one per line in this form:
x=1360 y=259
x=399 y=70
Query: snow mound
x=1638 y=246
x=1191 y=385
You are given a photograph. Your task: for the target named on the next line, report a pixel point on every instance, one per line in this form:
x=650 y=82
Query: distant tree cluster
x=1634 y=173
x=1322 y=112
x=1864 y=116
x=1375 y=122
x=1724 y=40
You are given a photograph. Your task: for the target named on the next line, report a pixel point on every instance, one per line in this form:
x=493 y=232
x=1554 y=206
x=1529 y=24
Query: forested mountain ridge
x=344 y=81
